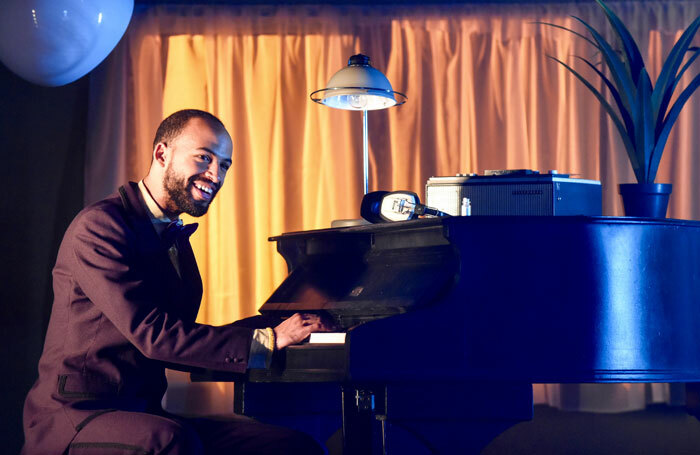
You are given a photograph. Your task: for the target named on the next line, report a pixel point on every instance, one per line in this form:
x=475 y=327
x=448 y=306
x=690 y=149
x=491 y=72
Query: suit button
x=228 y=360
x=237 y=360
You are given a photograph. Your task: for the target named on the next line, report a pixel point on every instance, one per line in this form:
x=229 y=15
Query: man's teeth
x=204 y=188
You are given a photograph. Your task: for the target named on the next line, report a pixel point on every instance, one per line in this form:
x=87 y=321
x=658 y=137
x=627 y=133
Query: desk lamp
x=359 y=87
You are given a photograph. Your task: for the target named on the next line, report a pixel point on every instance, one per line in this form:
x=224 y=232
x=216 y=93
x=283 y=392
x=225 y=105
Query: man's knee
x=243 y=435
x=173 y=438
x=126 y=432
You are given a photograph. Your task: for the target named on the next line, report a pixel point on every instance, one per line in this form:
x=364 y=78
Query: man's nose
x=214 y=172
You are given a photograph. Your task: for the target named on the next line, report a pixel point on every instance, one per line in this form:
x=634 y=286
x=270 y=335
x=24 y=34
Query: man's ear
x=161 y=153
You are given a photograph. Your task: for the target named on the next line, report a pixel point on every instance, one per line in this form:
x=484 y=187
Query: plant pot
x=645 y=199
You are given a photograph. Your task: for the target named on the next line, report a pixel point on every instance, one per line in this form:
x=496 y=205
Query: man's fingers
x=314 y=322
x=320 y=326
x=298 y=327
x=309 y=318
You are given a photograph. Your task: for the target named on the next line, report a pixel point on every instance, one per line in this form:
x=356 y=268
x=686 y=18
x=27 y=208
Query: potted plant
x=641 y=111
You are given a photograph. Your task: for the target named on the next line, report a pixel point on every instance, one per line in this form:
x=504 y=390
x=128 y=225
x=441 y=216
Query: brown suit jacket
x=120 y=314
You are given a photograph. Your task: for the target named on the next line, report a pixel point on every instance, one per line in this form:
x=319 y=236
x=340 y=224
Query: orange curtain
x=481 y=95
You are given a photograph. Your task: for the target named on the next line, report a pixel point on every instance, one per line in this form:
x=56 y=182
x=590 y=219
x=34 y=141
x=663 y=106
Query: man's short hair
x=174 y=123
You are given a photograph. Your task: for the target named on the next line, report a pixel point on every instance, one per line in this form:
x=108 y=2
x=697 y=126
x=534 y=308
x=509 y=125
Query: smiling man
x=126 y=295
x=189 y=164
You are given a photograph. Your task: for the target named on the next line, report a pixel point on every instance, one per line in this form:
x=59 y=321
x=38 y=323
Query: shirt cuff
x=261 y=348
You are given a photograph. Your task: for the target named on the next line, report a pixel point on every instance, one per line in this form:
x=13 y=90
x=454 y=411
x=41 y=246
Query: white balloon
x=55 y=42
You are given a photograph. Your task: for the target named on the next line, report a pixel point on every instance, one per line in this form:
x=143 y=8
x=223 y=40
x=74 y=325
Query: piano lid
x=360 y=274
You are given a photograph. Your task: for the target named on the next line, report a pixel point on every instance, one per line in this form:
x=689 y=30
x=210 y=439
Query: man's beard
x=180 y=194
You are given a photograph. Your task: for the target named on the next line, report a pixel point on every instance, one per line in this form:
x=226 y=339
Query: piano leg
x=409 y=418
x=692 y=399
x=361 y=407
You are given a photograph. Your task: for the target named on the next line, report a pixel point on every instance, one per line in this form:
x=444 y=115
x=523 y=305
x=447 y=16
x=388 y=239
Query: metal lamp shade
x=358 y=87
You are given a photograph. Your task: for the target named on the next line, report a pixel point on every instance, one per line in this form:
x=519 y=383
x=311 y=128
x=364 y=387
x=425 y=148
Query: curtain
x=482 y=94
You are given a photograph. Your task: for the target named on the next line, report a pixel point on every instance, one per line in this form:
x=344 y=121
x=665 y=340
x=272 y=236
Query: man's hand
x=295 y=329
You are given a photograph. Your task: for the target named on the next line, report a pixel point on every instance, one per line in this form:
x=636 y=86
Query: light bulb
x=358 y=101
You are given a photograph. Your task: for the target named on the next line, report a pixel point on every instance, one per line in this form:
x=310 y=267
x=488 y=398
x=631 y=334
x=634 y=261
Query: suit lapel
x=186 y=288
x=189 y=273
x=137 y=215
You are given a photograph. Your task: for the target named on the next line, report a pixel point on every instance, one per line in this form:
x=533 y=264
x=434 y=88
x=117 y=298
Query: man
x=126 y=294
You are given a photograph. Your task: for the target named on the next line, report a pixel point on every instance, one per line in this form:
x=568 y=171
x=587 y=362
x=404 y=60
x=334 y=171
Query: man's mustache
x=200 y=177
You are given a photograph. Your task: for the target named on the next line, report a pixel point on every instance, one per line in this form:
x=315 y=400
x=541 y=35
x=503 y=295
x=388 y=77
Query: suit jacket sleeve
x=109 y=272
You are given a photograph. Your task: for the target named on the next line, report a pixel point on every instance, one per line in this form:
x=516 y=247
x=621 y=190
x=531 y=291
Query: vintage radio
x=515 y=192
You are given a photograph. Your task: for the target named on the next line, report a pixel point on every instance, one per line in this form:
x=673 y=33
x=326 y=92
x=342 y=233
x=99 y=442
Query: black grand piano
x=449 y=321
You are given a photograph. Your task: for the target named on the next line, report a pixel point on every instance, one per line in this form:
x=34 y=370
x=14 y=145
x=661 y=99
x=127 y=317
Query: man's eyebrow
x=208 y=150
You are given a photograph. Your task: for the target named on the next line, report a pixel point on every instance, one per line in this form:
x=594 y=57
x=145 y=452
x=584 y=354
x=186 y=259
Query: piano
x=450 y=320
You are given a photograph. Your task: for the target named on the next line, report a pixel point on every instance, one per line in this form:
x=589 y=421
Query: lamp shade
x=358 y=87
x=55 y=42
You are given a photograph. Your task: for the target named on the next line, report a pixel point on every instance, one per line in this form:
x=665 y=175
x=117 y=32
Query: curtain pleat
x=482 y=94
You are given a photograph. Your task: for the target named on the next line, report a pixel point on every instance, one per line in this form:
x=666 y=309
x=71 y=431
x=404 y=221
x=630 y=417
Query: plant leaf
x=593 y=43
x=644 y=124
x=626 y=118
x=634 y=57
x=668 y=124
x=665 y=84
x=624 y=83
x=660 y=111
x=611 y=112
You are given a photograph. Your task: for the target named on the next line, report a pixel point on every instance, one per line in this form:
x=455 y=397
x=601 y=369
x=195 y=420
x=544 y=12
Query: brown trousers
x=136 y=433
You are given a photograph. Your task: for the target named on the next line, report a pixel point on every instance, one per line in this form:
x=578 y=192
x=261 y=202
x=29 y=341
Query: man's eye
x=225 y=167
x=206 y=158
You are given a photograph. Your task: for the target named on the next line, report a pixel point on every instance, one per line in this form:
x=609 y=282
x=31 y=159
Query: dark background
x=42 y=147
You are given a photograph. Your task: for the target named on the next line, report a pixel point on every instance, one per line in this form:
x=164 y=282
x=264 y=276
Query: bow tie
x=176 y=230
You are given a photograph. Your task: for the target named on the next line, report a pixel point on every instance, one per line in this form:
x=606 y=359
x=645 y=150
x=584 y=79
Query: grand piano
x=450 y=320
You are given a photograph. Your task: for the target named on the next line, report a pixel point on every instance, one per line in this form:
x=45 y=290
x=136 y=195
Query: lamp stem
x=365 y=150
